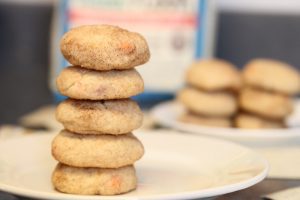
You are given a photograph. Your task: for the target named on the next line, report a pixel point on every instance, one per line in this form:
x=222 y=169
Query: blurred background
x=178 y=32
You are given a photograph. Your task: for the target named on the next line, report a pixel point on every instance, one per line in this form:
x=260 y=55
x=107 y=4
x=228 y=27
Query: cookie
x=104 y=47
x=267 y=104
x=249 y=121
x=104 y=151
x=272 y=75
x=80 y=83
x=214 y=75
x=99 y=117
x=205 y=121
x=94 y=181
x=208 y=103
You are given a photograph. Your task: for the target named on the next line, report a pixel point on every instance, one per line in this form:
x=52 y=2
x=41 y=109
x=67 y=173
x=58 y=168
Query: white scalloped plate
x=175 y=166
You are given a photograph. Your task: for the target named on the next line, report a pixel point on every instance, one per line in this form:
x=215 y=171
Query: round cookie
x=104 y=47
x=269 y=105
x=209 y=104
x=104 y=151
x=99 y=117
x=94 y=181
x=205 y=121
x=80 y=83
x=272 y=75
x=248 y=121
x=214 y=75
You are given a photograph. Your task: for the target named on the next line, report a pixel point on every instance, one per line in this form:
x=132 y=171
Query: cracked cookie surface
x=94 y=181
x=99 y=117
x=104 y=47
x=79 y=83
x=104 y=151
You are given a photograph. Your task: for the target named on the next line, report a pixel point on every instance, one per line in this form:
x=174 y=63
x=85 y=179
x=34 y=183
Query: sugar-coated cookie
x=213 y=75
x=99 y=117
x=205 y=121
x=104 y=47
x=94 y=181
x=272 y=75
x=208 y=103
x=80 y=83
x=267 y=104
x=249 y=121
x=104 y=151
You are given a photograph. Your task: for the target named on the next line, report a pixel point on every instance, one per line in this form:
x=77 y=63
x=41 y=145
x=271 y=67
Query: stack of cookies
x=266 y=99
x=210 y=95
x=97 y=150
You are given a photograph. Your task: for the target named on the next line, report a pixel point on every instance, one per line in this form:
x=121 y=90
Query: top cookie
x=104 y=47
x=213 y=74
x=272 y=75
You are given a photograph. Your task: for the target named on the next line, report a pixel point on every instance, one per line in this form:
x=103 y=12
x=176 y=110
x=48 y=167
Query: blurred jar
x=177 y=31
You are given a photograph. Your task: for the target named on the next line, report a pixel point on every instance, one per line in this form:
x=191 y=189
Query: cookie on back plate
x=272 y=75
x=267 y=104
x=214 y=75
x=205 y=120
x=249 y=121
x=219 y=104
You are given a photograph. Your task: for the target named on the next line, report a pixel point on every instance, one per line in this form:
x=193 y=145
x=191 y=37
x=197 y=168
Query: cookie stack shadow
x=96 y=151
x=210 y=96
x=266 y=98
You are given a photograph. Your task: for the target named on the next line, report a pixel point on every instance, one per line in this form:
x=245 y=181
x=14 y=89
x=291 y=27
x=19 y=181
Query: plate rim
x=203 y=193
x=230 y=132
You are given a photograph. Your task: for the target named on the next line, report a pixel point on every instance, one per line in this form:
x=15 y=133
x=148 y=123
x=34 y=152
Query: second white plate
x=167 y=114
